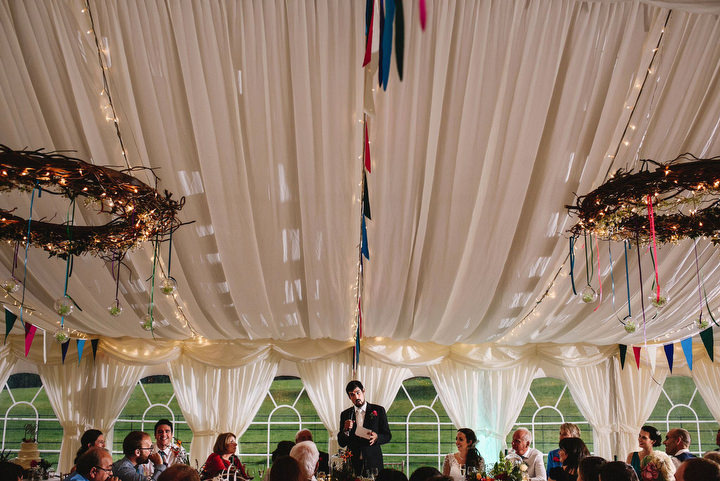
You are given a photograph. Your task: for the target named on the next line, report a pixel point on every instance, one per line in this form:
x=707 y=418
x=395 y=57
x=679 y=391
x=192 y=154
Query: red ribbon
x=652 y=233
x=597 y=246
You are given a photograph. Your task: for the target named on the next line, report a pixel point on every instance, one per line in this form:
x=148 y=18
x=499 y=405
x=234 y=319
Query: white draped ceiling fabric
x=252 y=110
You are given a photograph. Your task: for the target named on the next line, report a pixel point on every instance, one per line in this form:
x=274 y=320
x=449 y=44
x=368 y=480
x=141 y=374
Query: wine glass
x=261 y=471
x=374 y=472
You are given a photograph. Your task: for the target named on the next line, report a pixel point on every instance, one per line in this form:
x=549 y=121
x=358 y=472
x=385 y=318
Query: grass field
x=415 y=436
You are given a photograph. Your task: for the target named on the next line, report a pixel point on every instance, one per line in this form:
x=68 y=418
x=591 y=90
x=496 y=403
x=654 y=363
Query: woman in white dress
x=467 y=455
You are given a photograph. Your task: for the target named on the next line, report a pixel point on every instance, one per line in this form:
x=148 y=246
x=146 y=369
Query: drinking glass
x=462 y=470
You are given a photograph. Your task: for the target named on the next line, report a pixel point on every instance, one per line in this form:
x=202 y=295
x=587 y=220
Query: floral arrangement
x=39 y=469
x=178 y=452
x=341 y=467
x=506 y=469
x=657 y=466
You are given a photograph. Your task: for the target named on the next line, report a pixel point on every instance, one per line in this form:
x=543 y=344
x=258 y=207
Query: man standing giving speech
x=363 y=428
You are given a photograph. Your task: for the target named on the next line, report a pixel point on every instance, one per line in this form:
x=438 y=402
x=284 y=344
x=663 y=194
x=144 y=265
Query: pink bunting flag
x=368 y=46
x=636 y=352
x=423 y=14
x=29 y=336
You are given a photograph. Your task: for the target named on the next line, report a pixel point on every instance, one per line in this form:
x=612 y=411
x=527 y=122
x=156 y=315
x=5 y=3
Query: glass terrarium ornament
x=61 y=335
x=661 y=300
x=588 y=295
x=630 y=326
x=701 y=323
x=168 y=286
x=10 y=285
x=115 y=309
x=64 y=306
x=147 y=322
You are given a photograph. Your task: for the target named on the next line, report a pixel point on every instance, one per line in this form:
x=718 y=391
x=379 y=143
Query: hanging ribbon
x=697 y=270
x=597 y=246
x=654 y=244
x=69 y=223
x=627 y=276
x=642 y=297
x=27 y=245
x=572 y=263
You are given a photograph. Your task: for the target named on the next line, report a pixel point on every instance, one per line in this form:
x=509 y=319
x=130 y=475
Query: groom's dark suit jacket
x=365 y=456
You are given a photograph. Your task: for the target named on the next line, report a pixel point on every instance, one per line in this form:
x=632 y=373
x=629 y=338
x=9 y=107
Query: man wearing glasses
x=138 y=449
x=94 y=465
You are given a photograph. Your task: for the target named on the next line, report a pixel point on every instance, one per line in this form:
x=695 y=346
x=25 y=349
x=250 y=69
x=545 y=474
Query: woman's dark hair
x=617 y=471
x=655 y=436
x=386 y=474
x=285 y=468
x=589 y=468
x=10 y=471
x=221 y=443
x=473 y=457
x=283 y=449
x=88 y=439
x=179 y=472
x=424 y=473
x=575 y=450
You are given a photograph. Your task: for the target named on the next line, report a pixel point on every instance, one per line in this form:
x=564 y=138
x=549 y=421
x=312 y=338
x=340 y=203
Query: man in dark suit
x=363 y=429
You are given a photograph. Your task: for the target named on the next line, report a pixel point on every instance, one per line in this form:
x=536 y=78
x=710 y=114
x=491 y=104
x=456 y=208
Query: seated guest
x=712 y=456
x=307 y=456
x=386 y=474
x=285 y=468
x=306 y=435
x=180 y=472
x=572 y=451
x=283 y=449
x=589 y=468
x=137 y=448
x=170 y=452
x=567 y=430
x=467 y=455
x=90 y=438
x=10 y=471
x=95 y=464
x=530 y=456
x=223 y=458
x=617 y=471
x=648 y=438
x=424 y=473
x=677 y=444
x=698 y=469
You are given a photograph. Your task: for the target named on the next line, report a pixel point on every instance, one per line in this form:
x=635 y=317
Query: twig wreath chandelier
x=679 y=199
x=138 y=212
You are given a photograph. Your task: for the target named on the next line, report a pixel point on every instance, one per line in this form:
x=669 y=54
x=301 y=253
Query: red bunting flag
x=636 y=352
x=29 y=336
x=367 y=149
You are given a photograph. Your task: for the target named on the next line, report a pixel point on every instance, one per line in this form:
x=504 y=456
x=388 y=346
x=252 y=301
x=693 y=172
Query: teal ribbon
x=27 y=245
x=627 y=277
x=572 y=263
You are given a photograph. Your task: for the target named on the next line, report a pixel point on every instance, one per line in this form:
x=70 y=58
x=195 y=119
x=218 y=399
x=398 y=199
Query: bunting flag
x=669 y=353
x=708 y=342
x=687 y=350
x=369 y=19
x=399 y=37
x=29 y=336
x=386 y=42
x=636 y=352
x=366 y=198
x=368 y=163
x=80 y=348
x=652 y=355
x=381 y=32
x=10 y=318
x=623 y=353
x=364 y=243
x=64 y=347
x=94 y=343
x=423 y=14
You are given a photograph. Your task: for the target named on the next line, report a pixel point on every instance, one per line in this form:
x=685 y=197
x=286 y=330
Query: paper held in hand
x=363 y=432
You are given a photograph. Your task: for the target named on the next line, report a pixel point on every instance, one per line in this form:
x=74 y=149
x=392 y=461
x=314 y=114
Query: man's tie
x=163 y=456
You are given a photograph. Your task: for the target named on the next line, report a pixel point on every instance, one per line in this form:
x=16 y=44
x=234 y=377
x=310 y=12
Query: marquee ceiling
x=252 y=110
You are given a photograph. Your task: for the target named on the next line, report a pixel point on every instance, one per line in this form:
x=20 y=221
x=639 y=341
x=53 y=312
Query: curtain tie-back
x=205 y=433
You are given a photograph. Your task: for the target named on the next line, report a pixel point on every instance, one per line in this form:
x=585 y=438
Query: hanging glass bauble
x=661 y=300
x=62 y=335
x=168 y=286
x=588 y=295
x=147 y=323
x=64 y=306
x=10 y=285
x=630 y=326
x=115 y=310
x=702 y=323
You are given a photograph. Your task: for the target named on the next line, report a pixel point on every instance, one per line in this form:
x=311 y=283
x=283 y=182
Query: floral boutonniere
x=372 y=415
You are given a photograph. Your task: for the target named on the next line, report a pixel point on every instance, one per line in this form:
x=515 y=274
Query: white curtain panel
x=7 y=363
x=109 y=388
x=590 y=387
x=66 y=386
x=485 y=400
x=706 y=375
x=325 y=381
x=636 y=393
x=216 y=400
x=382 y=381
